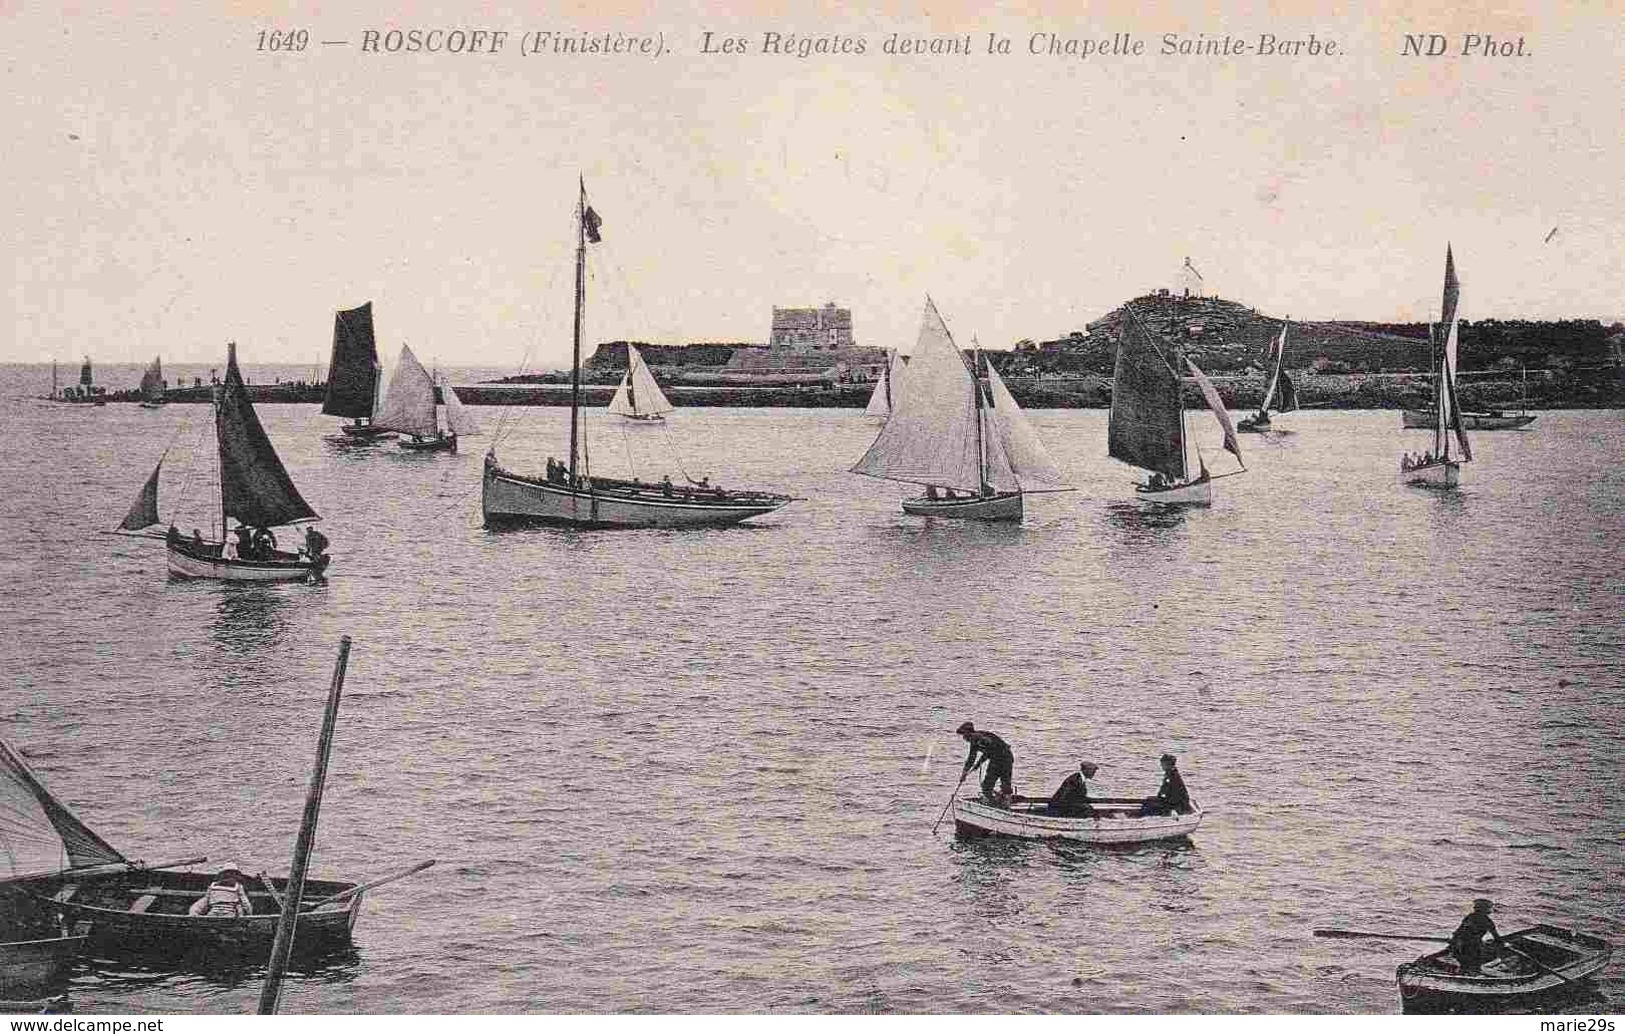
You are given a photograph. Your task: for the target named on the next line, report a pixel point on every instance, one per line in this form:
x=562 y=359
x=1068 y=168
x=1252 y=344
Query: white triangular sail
x=880 y=401
x=1030 y=463
x=931 y=436
x=1215 y=403
x=638 y=394
x=459 y=420
x=409 y=403
x=1278 y=351
x=38 y=834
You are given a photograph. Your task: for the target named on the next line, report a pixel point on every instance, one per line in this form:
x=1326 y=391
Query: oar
x=265 y=881
x=341 y=895
x=950 y=803
x=1351 y=934
x=1537 y=963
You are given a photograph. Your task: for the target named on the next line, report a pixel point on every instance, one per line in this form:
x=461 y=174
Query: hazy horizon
x=174 y=189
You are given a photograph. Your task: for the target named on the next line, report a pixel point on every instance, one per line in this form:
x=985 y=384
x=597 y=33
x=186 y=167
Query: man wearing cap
x=1172 y=798
x=1072 y=798
x=226 y=896
x=1467 y=943
x=988 y=747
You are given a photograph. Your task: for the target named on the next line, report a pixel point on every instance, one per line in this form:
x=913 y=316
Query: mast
x=1185 y=467
x=575 y=348
x=981 y=443
x=220 y=442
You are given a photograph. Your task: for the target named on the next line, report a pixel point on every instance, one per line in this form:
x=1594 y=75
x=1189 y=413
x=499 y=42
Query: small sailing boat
x=1147 y=424
x=1280 y=381
x=354 y=375
x=971 y=447
x=572 y=496
x=639 y=397
x=152 y=385
x=255 y=490
x=1478 y=420
x=87 y=391
x=880 y=401
x=1437 y=468
x=409 y=407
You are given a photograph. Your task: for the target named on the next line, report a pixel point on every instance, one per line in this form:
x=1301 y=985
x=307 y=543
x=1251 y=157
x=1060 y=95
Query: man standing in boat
x=1467 y=943
x=988 y=747
x=1172 y=798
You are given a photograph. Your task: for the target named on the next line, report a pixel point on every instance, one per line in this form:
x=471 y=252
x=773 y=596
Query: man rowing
x=989 y=748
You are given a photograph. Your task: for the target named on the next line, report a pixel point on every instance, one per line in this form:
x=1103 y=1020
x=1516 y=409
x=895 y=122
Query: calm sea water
x=698 y=771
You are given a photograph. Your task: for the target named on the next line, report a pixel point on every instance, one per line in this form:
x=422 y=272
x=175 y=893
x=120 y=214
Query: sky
x=170 y=188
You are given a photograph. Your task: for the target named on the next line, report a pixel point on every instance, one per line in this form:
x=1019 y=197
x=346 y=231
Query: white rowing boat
x=1114 y=822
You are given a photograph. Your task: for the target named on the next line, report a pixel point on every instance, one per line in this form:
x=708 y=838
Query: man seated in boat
x=1467 y=943
x=226 y=896
x=990 y=748
x=555 y=470
x=1071 y=799
x=1158 y=482
x=1172 y=798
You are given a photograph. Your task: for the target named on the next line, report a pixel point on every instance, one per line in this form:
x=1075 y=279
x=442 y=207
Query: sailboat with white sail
x=1147 y=423
x=572 y=496
x=880 y=401
x=409 y=408
x=255 y=490
x=152 y=385
x=1438 y=468
x=1280 y=384
x=639 y=397
x=354 y=376
x=970 y=445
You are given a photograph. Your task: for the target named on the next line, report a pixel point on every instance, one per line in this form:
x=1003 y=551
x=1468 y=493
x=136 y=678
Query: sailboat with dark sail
x=409 y=408
x=255 y=490
x=354 y=375
x=570 y=495
x=1438 y=468
x=152 y=385
x=1280 y=383
x=639 y=397
x=1147 y=424
x=969 y=444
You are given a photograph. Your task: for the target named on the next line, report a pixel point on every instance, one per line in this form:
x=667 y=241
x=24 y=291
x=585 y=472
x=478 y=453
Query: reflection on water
x=1144 y=521
x=250 y=618
x=116 y=974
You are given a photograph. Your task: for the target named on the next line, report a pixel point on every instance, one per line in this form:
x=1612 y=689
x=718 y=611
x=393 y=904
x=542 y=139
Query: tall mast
x=575 y=352
x=220 y=441
x=976 y=387
x=1179 y=381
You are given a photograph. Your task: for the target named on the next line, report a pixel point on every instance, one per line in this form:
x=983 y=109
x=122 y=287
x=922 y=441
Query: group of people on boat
x=934 y=493
x=250 y=543
x=1414 y=460
x=1071 y=798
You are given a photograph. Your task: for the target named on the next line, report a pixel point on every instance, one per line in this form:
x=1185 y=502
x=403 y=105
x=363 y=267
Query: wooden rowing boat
x=1544 y=959
x=30 y=969
x=1115 y=821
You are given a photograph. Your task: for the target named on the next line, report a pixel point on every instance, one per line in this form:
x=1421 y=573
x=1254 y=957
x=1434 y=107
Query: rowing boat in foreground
x=1435 y=983
x=31 y=968
x=1115 y=821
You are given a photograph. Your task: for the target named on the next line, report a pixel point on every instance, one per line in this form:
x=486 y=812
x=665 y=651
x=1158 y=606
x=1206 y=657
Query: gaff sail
x=638 y=395
x=459 y=420
x=1034 y=469
x=1145 y=429
x=254 y=485
x=1215 y=403
x=1278 y=352
x=1449 y=410
x=408 y=404
x=352 y=372
x=38 y=834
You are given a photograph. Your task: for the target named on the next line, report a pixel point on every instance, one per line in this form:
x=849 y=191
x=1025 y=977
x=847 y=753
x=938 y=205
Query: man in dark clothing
x=1001 y=763
x=1172 y=798
x=1467 y=943
x=1072 y=798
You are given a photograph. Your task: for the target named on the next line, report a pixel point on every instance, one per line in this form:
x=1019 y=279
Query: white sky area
x=168 y=188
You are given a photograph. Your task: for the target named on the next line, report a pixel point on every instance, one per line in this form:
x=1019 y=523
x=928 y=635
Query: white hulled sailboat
x=1437 y=468
x=639 y=397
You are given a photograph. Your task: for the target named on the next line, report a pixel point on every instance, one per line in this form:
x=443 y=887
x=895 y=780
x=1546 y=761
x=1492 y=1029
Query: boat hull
x=974 y=817
x=145 y=914
x=1256 y=424
x=28 y=968
x=443 y=443
x=1191 y=493
x=187 y=562
x=1434 y=983
x=1001 y=506
x=1426 y=419
x=509 y=499
x=362 y=433
x=1440 y=474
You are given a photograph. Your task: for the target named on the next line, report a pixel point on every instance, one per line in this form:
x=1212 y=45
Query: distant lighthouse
x=1191 y=284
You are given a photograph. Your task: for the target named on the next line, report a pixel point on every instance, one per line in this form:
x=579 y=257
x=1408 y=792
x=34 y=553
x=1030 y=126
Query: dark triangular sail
x=38 y=834
x=352 y=378
x=1146 y=427
x=254 y=486
x=144 y=511
x=152 y=382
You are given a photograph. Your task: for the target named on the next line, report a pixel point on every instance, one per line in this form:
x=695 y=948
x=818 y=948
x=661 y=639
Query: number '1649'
x=275 y=39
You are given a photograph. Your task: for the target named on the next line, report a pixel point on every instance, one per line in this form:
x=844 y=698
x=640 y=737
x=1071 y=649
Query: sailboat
x=972 y=448
x=353 y=375
x=880 y=401
x=572 y=496
x=1437 y=468
x=255 y=490
x=87 y=391
x=409 y=407
x=152 y=385
x=1147 y=423
x=1280 y=381
x=639 y=397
